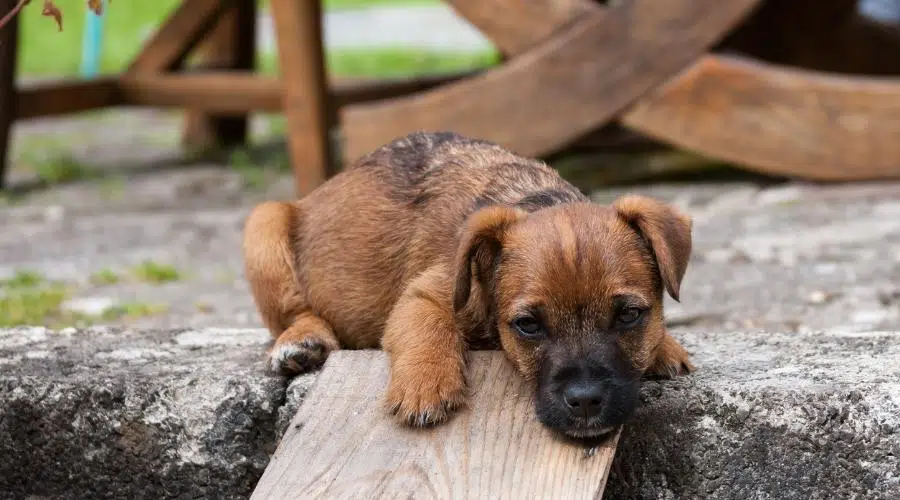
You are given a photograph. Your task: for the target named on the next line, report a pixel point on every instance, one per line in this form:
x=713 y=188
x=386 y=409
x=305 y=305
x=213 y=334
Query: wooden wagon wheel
x=595 y=63
x=552 y=92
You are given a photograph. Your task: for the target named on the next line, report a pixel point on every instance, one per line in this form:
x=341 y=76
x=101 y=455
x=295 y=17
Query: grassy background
x=44 y=51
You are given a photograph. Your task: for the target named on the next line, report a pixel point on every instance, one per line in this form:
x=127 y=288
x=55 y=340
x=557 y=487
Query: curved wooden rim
x=563 y=88
x=778 y=120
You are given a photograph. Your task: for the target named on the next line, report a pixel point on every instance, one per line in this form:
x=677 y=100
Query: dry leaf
x=96 y=6
x=51 y=10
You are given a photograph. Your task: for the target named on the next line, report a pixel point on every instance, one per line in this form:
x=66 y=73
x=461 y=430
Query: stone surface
x=113 y=413
x=770 y=415
x=106 y=412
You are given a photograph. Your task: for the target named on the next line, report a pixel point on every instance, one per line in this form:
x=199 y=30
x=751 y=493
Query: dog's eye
x=528 y=327
x=628 y=316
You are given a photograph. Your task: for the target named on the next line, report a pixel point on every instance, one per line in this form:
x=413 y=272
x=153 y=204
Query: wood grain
x=222 y=93
x=574 y=82
x=182 y=31
x=307 y=105
x=66 y=96
x=778 y=120
x=342 y=444
x=231 y=46
x=515 y=25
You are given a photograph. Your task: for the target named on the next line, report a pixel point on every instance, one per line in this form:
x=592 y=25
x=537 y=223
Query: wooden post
x=307 y=107
x=342 y=443
x=230 y=46
x=9 y=38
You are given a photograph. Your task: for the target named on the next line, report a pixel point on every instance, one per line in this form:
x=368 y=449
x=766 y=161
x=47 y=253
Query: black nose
x=583 y=399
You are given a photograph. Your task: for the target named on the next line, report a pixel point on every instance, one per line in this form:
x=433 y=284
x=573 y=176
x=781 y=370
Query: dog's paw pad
x=294 y=358
x=428 y=401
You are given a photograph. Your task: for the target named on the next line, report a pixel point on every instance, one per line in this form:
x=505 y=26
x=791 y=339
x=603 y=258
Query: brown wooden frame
x=572 y=68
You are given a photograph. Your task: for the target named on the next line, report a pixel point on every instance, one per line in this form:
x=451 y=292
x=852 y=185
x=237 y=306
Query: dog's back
x=397 y=211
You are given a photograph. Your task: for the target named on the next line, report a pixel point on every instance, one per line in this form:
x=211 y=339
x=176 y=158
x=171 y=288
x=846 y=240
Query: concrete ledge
x=110 y=413
x=118 y=413
x=770 y=415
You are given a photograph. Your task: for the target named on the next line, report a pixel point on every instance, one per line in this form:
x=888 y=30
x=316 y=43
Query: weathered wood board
x=343 y=444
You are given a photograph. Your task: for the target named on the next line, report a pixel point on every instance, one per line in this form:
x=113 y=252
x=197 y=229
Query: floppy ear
x=667 y=230
x=480 y=245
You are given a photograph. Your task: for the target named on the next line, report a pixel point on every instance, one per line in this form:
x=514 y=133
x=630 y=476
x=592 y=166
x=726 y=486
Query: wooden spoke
x=562 y=89
x=777 y=120
x=515 y=25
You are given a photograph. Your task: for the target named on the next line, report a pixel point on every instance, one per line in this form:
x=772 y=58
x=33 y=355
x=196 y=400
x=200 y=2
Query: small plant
x=22 y=279
x=105 y=277
x=132 y=310
x=64 y=169
x=153 y=272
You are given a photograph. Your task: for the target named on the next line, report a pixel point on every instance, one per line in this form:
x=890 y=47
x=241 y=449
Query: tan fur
x=400 y=252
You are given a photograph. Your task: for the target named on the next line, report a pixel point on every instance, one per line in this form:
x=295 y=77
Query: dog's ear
x=667 y=230
x=479 y=246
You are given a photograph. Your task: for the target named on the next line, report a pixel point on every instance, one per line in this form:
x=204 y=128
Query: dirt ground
x=787 y=257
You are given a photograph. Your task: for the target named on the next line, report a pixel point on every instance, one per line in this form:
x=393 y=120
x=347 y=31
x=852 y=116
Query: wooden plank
x=169 y=46
x=307 y=105
x=779 y=121
x=514 y=26
x=223 y=91
x=215 y=92
x=544 y=99
x=343 y=444
x=9 y=43
x=230 y=46
x=66 y=96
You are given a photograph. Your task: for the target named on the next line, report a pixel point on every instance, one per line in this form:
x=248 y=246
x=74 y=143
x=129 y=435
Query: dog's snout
x=583 y=398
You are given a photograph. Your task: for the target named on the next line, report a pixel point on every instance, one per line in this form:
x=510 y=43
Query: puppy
x=436 y=244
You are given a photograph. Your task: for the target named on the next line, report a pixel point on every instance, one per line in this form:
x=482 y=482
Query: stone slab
x=110 y=412
x=113 y=413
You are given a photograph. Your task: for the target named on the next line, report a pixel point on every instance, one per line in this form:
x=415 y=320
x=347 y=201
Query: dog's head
x=576 y=291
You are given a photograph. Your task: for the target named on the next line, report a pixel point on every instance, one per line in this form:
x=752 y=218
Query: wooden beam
x=776 y=120
x=514 y=26
x=343 y=444
x=575 y=82
x=221 y=93
x=214 y=91
x=9 y=44
x=231 y=46
x=307 y=105
x=169 y=46
x=66 y=96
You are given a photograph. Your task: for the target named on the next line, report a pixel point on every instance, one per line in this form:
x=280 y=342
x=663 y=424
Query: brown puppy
x=435 y=244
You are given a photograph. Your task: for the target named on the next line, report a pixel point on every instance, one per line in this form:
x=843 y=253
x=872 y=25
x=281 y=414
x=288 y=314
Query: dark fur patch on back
x=547 y=198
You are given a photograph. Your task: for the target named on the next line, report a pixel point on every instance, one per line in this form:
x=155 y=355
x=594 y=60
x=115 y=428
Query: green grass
x=132 y=310
x=23 y=278
x=154 y=272
x=48 y=52
x=105 y=277
x=28 y=298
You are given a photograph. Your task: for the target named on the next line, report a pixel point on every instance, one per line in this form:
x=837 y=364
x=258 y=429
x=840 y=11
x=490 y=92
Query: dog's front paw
x=293 y=357
x=422 y=395
x=671 y=360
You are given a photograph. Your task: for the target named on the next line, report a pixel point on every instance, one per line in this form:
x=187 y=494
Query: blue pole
x=91 y=44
